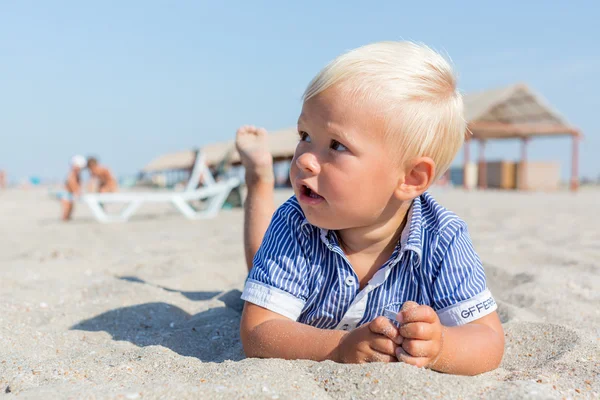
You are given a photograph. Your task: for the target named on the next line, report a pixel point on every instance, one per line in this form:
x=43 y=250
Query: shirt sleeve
x=460 y=292
x=278 y=279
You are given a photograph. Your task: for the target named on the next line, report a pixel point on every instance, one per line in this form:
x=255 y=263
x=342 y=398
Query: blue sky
x=130 y=80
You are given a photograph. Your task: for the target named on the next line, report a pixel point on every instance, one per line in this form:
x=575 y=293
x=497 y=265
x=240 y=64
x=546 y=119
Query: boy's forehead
x=339 y=113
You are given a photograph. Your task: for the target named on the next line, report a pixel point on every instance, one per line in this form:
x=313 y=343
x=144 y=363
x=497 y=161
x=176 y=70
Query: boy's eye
x=335 y=145
x=304 y=136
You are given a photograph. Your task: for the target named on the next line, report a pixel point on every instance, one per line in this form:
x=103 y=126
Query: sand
x=151 y=308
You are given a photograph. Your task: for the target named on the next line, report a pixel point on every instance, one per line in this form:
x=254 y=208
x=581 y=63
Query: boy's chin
x=324 y=222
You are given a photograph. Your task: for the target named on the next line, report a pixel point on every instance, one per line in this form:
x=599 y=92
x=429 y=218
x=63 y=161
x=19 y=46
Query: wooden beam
x=575 y=165
x=499 y=130
x=482 y=169
x=523 y=185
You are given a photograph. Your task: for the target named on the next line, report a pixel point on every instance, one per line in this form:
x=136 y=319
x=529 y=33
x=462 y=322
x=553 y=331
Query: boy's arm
x=473 y=348
x=468 y=349
x=267 y=334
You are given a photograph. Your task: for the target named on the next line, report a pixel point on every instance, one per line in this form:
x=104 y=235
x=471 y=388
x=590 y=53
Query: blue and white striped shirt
x=301 y=272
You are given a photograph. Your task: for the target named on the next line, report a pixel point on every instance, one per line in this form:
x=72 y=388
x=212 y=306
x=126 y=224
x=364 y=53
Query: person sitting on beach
x=72 y=186
x=362 y=264
x=106 y=182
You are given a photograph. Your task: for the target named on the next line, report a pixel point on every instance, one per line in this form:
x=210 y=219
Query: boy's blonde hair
x=416 y=94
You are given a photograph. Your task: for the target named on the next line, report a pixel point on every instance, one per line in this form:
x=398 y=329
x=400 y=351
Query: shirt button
x=350 y=281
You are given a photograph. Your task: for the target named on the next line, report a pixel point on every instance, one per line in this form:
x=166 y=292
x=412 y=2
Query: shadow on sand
x=211 y=335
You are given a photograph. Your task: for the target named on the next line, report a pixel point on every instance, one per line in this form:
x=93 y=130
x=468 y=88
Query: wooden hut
x=514 y=112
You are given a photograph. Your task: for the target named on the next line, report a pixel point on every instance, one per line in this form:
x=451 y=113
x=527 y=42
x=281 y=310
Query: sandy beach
x=151 y=308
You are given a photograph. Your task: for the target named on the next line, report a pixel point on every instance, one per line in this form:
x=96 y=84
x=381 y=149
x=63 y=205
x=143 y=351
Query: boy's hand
x=423 y=335
x=375 y=341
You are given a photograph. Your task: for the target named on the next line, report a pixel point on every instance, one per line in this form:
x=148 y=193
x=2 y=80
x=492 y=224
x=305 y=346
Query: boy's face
x=343 y=174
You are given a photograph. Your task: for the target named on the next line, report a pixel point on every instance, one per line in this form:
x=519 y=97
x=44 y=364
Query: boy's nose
x=308 y=162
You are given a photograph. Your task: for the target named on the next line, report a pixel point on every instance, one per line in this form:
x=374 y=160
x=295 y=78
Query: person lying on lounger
x=106 y=181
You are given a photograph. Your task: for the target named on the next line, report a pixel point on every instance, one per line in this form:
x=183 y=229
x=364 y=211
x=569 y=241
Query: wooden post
x=575 y=164
x=524 y=143
x=522 y=185
x=482 y=166
x=467 y=155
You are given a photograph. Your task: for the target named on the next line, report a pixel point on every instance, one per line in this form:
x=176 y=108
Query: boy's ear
x=418 y=176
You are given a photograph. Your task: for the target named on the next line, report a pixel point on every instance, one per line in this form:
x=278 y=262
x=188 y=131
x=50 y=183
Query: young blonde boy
x=361 y=238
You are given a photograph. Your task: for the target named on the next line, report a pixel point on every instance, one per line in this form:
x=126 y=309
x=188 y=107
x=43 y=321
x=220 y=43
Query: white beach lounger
x=215 y=194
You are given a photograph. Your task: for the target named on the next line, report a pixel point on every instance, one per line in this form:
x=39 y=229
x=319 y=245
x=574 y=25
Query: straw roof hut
x=515 y=112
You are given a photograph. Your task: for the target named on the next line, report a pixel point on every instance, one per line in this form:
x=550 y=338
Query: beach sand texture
x=151 y=308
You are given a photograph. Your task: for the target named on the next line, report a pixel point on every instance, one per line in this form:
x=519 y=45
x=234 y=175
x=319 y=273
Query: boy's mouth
x=310 y=193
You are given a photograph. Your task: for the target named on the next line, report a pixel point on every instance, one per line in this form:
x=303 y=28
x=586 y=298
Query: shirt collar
x=410 y=239
x=413 y=231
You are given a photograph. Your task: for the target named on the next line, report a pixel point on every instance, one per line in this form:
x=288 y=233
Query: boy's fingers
x=404 y=357
x=417 y=348
x=379 y=325
x=417 y=330
x=384 y=326
x=408 y=305
x=417 y=314
x=383 y=345
x=378 y=357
